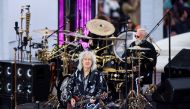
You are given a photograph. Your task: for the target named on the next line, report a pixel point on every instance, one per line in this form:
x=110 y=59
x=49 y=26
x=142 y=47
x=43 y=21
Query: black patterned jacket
x=96 y=85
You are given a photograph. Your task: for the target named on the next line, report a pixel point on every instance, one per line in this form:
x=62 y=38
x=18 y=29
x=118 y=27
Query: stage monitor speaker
x=179 y=66
x=175 y=90
x=32 y=81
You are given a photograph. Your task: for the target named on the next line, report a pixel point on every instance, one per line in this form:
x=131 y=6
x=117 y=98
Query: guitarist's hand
x=104 y=95
x=73 y=102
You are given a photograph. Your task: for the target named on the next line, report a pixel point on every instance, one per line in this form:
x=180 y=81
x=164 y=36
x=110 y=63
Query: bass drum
x=61 y=90
x=119 y=45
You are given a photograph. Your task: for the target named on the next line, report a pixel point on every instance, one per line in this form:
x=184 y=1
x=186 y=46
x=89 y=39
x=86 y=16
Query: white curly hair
x=93 y=58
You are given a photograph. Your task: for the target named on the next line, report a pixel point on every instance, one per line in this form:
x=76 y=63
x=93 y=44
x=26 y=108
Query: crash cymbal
x=44 y=32
x=100 y=27
x=138 y=48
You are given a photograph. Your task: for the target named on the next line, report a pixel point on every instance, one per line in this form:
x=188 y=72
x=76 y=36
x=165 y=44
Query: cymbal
x=100 y=27
x=108 y=69
x=109 y=38
x=138 y=48
x=44 y=32
x=78 y=35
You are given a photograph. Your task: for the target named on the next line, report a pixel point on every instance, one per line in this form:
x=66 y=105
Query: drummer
x=148 y=55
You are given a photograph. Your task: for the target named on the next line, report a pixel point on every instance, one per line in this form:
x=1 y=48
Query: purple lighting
x=83 y=11
x=61 y=21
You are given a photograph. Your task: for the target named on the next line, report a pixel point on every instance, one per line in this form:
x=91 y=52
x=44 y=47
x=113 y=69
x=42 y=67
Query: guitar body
x=78 y=106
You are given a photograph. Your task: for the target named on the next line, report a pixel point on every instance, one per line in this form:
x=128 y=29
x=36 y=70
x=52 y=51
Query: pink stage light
x=61 y=22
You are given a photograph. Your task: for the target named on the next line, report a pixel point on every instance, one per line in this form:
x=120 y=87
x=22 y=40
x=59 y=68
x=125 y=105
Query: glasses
x=137 y=36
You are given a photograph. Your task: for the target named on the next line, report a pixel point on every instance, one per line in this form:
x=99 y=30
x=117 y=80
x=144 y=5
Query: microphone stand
x=169 y=39
x=125 y=54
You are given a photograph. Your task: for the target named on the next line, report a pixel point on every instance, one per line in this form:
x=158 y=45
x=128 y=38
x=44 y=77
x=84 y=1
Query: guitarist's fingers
x=73 y=102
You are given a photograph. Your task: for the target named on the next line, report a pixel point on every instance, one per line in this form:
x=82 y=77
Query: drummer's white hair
x=93 y=58
x=141 y=31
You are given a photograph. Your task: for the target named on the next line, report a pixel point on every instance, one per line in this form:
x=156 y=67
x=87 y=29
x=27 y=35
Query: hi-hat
x=100 y=27
x=44 y=32
x=138 y=48
x=109 y=38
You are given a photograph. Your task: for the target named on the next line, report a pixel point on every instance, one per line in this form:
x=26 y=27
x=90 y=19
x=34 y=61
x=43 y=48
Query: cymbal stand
x=152 y=87
x=141 y=101
x=132 y=94
x=65 y=59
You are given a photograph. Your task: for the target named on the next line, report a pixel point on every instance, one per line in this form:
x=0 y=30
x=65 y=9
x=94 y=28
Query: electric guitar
x=80 y=103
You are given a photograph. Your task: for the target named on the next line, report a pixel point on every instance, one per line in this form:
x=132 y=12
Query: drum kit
x=110 y=63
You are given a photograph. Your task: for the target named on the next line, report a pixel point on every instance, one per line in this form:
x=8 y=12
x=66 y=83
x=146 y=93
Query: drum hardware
x=132 y=94
x=112 y=38
x=100 y=27
x=77 y=35
x=137 y=100
x=141 y=100
x=137 y=48
x=52 y=54
x=53 y=100
x=152 y=87
x=44 y=55
x=97 y=49
x=65 y=58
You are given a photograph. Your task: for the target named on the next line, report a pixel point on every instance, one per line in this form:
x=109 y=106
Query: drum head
x=119 y=45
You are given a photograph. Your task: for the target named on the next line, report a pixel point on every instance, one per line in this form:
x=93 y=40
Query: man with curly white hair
x=86 y=83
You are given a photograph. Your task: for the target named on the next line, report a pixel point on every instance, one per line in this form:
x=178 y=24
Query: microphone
x=16 y=28
x=25 y=41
